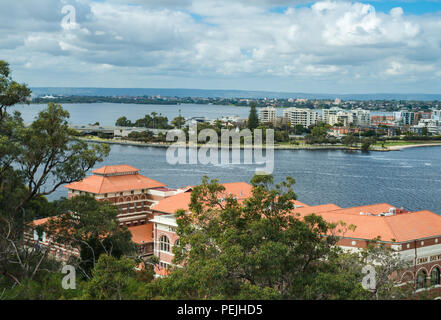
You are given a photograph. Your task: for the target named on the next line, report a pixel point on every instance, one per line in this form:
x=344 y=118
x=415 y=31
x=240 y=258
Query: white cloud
x=338 y=43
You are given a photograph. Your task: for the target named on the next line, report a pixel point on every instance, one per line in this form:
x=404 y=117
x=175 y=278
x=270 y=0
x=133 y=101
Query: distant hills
x=201 y=93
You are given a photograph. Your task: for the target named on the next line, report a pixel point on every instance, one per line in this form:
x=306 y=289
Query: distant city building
x=305 y=117
x=436 y=115
x=361 y=118
x=342 y=117
x=326 y=113
x=433 y=127
x=268 y=114
x=405 y=117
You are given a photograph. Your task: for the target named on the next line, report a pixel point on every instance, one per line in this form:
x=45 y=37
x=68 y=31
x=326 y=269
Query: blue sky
x=298 y=46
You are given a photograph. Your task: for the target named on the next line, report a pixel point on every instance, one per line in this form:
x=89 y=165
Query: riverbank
x=276 y=146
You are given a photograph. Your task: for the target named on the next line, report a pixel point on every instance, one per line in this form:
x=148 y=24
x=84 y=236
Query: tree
x=349 y=140
x=93 y=227
x=46 y=287
x=366 y=144
x=253 y=119
x=114 y=279
x=34 y=161
x=123 y=122
x=178 y=122
x=11 y=92
x=48 y=153
x=319 y=131
x=257 y=249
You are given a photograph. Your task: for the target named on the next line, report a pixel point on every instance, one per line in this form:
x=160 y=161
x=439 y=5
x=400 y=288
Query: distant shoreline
x=276 y=147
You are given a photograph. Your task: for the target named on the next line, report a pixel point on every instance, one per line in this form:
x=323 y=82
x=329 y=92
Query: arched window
x=164 y=243
x=435 y=277
x=421 y=279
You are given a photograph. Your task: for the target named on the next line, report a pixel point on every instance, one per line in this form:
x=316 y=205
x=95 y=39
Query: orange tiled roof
x=240 y=190
x=315 y=209
x=373 y=209
x=39 y=221
x=115 y=169
x=105 y=184
x=401 y=227
x=142 y=234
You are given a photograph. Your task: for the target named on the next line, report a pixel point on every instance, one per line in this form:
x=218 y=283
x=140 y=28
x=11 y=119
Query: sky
x=279 y=45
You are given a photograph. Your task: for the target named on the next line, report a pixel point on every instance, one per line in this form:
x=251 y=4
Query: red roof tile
x=142 y=234
x=122 y=168
x=106 y=184
x=240 y=190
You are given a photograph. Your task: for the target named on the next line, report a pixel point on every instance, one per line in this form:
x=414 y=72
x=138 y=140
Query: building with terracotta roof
x=415 y=235
x=125 y=187
x=164 y=220
x=148 y=207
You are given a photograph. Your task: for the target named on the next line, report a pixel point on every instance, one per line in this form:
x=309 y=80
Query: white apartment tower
x=305 y=117
x=361 y=118
x=268 y=114
x=326 y=113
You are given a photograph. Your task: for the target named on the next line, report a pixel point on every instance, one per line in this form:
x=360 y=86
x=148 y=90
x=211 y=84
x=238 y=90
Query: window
x=105 y=195
x=164 y=244
x=39 y=236
x=421 y=279
x=435 y=277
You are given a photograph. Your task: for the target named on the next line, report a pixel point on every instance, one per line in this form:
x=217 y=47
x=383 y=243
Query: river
x=410 y=178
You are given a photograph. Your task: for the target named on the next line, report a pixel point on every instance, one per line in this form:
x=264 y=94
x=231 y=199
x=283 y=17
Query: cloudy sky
x=279 y=45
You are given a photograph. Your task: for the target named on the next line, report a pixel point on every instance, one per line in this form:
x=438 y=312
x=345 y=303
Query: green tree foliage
x=366 y=144
x=178 y=122
x=253 y=119
x=46 y=287
x=11 y=92
x=92 y=226
x=319 y=131
x=115 y=279
x=255 y=250
x=259 y=250
x=49 y=154
x=34 y=161
x=349 y=140
x=123 y=122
